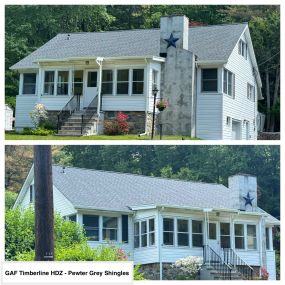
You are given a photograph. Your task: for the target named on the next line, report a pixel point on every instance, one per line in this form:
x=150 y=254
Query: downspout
x=160 y=243
x=99 y=61
x=146 y=100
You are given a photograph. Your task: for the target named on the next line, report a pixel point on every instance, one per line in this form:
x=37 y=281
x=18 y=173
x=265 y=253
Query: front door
x=90 y=87
x=236 y=130
x=213 y=240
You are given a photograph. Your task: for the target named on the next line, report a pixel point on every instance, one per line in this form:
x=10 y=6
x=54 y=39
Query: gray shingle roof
x=96 y=189
x=207 y=42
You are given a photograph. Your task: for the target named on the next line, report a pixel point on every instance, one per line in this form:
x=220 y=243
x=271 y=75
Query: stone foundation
x=52 y=119
x=136 y=120
x=268 y=136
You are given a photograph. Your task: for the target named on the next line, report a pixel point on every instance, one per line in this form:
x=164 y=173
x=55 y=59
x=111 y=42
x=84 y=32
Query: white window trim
x=232 y=83
x=129 y=74
x=147 y=233
x=174 y=231
x=177 y=232
x=203 y=233
x=250 y=96
x=229 y=235
x=245 y=236
x=21 y=83
x=201 y=81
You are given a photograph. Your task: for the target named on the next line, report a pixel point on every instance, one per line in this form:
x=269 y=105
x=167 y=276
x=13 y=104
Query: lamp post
x=154 y=92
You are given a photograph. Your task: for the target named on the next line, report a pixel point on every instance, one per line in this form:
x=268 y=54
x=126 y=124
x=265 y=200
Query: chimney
x=243 y=193
x=176 y=27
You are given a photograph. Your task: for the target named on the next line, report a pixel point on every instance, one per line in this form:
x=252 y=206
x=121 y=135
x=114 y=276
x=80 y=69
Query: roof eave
x=214 y=62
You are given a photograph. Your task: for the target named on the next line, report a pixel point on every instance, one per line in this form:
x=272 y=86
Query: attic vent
x=63 y=170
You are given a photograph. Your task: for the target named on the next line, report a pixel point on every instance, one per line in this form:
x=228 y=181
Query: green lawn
x=16 y=136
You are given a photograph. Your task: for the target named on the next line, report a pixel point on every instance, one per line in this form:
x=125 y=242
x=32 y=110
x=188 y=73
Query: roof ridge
x=140 y=175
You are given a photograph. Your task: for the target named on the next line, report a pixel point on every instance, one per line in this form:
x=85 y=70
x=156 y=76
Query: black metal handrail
x=211 y=258
x=89 y=112
x=70 y=107
x=234 y=260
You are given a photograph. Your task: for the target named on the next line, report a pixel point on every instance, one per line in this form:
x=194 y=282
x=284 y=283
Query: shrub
x=111 y=128
x=38 y=131
x=10 y=198
x=38 y=115
x=117 y=127
x=20 y=232
x=187 y=268
x=137 y=274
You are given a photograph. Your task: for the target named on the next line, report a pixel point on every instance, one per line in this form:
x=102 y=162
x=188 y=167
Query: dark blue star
x=248 y=200
x=171 y=41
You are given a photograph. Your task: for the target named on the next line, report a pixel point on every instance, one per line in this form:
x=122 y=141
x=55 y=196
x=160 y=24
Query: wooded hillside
x=29 y=27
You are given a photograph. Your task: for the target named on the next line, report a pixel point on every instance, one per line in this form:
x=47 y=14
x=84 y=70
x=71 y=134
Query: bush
x=38 y=115
x=38 y=131
x=20 y=232
x=118 y=127
x=10 y=198
x=137 y=274
x=111 y=128
x=187 y=268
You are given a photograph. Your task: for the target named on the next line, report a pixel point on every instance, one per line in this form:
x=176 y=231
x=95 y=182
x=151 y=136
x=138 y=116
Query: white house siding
x=147 y=254
x=270 y=266
x=26 y=201
x=54 y=103
x=61 y=204
x=240 y=108
x=209 y=110
x=251 y=257
x=24 y=105
x=123 y=103
x=172 y=254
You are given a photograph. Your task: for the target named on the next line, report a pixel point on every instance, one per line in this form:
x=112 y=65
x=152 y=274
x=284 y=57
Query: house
x=8 y=118
x=208 y=75
x=158 y=221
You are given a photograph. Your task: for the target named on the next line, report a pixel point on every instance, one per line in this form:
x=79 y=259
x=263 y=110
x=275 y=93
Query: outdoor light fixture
x=154 y=92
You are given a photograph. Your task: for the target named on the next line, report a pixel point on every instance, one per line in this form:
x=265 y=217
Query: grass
x=17 y=136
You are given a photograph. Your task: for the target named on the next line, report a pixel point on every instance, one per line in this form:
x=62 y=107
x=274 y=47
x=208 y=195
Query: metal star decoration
x=248 y=200
x=171 y=41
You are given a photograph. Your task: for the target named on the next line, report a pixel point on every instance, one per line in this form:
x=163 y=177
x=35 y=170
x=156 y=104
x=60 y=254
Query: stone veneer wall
x=52 y=118
x=268 y=136
x=136 y=120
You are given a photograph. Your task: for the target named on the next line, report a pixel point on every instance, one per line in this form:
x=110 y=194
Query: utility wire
x=269 y=58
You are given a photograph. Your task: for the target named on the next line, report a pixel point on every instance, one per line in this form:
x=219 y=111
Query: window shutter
x=125 y=228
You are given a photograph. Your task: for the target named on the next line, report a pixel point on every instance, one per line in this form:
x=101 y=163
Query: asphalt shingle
x=96 y=189
x=207 y=42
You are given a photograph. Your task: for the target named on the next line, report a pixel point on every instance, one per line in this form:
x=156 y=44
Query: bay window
x=144 y=233
x=123 y=81
x=209 y=80
x=91 y=226
x=251 y=237
x=110 y=228
x=197 y=233
x=239 y=236
x=29 y=83
x=182 y=232
x=107 y=82
x=168 y=231
x=138 y=81
x=49 y=82
x=62 y=82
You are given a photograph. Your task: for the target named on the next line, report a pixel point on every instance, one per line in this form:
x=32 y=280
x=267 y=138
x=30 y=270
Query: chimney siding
x=240 y=186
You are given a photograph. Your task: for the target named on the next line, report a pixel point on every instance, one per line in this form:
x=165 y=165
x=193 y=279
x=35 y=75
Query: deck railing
x=236 y=262
x=211 y=258
x=70 y=107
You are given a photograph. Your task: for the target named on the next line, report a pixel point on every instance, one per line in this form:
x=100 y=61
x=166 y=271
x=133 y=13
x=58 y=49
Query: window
x=62 y=82
x=197 y=233
x=143 y=234
x=251 y=237
x=110 y=228
x=92 y=79
x=182 y=232
x=229 y=83
x=168 y=231
x=225 y=235
x=250 y=92
x=107 y=82
x=29 y=83
x=137 y=235
x=242 y=49
x=49 y=83
x=212 y=231
x=239 y=236
x=267 y=238
x=32 y=196
x=78 y=82
x=210 y=80
x=72 y=218
x=91 y=226
x=151 y=234
x=138 y=81
x=123 y=81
